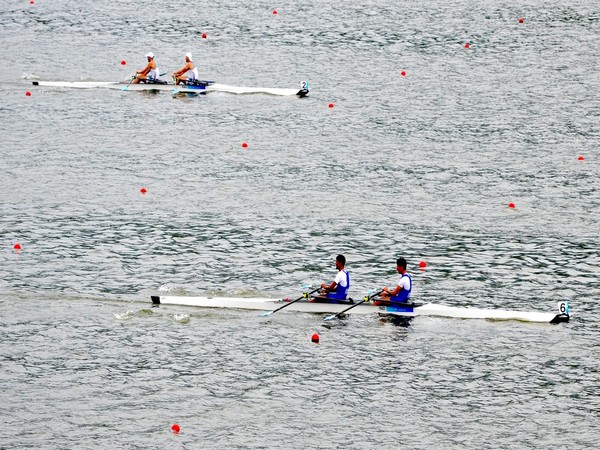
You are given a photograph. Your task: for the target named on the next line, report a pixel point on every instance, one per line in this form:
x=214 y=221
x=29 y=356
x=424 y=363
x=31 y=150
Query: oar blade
x=267 y=313
x=333 y=316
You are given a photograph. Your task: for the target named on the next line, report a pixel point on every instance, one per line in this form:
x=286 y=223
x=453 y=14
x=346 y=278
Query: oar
x=366 y=298
x=304 y=295
x=135 y=76
x=130 y=81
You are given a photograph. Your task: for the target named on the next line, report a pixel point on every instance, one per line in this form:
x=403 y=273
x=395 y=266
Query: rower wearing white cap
x=187 y=72
x=150 y=73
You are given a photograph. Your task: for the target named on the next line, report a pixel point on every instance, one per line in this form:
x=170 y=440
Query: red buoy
x=17 y=246
x=581 y=158
x=175 y=427
x=467 y=45
x=143 y=190
x=28 y=94
x=203 y=35
x=31 y=2
x=511 y=205
x=521 y=20
x=422 y=264
x=123 y=62
x=330 y=105
x=403 y=73
x=244 y=145
x=274 y=12
x=315 y=338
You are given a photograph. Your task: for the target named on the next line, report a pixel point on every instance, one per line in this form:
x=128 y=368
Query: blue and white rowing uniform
x=192 y=75
x=154 y=74
x=403 y=296
x=342 y=286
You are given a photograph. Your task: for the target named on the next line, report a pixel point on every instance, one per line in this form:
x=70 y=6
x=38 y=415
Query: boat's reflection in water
x=399 y=321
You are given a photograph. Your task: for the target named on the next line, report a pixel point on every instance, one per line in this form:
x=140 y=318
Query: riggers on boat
x=371 y=307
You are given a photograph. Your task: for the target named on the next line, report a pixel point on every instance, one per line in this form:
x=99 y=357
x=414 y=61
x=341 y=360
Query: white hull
x=76 y=84
x=180 y=89
x=429 y=309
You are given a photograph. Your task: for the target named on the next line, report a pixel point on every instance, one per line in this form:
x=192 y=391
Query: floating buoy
x=330 y=105
x=403 y=73
x=580 y=158
x=511 y=205
x=274 y=12
x=31 y=2
x=28 y=94
x=123 y=62
x=315 y=338
x=244 y=145
x=175 y=427
x=143 y=190
x=422 y=264
x=467 y=45
x=203 y=35
x=17 y=246
x=521 y=20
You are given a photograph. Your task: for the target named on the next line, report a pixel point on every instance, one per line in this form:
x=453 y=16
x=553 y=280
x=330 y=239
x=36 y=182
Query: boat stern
x=560 y=318
x=563 y=313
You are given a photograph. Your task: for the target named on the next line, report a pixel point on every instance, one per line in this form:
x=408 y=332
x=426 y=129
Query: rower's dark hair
x=401 y=262
x=341 y=259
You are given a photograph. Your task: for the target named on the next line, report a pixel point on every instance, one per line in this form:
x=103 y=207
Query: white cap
x=149 y=55
x=189 y=56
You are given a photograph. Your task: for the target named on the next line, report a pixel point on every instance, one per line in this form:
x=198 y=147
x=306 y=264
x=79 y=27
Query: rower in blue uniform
x=337 y=291
x=401 y=294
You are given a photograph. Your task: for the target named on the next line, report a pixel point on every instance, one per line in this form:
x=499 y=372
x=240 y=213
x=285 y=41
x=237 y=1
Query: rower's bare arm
x=329 y=288
x=181 y=71
x=387 y=293
x=145 y=71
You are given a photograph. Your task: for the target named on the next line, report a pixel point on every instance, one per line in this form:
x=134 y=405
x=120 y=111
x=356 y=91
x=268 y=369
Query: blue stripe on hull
x=397 y=309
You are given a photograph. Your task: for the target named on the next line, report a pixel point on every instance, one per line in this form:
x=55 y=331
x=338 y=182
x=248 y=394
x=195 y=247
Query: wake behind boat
x=368 y=307
x=196 y=87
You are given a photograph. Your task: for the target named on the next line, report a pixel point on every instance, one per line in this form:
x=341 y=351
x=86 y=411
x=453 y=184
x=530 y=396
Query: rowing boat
x=397 y=309
x=201 y=87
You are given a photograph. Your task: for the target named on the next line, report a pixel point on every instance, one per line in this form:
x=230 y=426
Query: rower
x=337 y=291
x=150 y=73
x=401 y=294
x=187 y=72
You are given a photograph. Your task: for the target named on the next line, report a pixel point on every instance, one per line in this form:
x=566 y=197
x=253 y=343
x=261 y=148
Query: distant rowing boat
x=397 y=309
x=199 y=87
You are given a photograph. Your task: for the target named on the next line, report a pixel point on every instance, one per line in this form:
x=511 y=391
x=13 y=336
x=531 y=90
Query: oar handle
x=366 y=298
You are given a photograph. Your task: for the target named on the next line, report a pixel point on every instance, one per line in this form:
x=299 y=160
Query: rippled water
x=421 y=166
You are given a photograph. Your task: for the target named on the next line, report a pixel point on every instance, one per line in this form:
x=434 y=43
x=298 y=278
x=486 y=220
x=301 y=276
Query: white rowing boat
x=397 y=309
x=200 y=87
